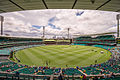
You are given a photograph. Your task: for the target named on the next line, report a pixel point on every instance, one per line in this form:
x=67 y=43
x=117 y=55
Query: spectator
x=84 y=77
x=60 y=77
x=17 y=74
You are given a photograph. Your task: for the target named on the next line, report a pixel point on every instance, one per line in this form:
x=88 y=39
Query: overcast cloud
x=56 y=22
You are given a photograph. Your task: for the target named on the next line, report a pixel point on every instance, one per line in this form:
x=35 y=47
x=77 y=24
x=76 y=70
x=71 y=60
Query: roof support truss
x=45 y=4
x=16 y=5
x=103 y=4
x=74 y=4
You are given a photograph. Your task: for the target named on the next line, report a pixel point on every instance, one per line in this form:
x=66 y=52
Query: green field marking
x=62 y=55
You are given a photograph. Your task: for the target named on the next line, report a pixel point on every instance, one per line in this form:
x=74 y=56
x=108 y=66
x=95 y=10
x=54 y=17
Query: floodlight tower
x=1 y=19
x=118 y=17
x=43 y=32
x=68 y=33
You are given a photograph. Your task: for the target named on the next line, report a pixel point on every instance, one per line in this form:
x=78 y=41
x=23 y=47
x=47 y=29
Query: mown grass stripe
x=62 y=55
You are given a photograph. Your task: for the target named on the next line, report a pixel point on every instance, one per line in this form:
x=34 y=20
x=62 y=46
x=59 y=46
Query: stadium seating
x=5 y=63
x=111 y=66
x=103 y=46
x=28 y=70
x=90 y=70
x=8 y=42
x=8 y=50
x=103 y=40
x=71 y=71
x=13 y=43
x=11 y=67
x=104 y=68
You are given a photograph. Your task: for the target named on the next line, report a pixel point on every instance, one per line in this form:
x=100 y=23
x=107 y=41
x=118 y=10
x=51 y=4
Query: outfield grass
x=62 y=55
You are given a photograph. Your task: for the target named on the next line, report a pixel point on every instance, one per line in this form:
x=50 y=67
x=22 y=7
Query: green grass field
x=62 y=55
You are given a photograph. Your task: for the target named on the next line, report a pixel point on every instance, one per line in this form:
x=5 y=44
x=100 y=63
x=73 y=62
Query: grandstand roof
x=18 y=5
x=106 y=33
x=20 y=37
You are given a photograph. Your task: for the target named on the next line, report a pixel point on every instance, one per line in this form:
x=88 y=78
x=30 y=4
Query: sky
x=56 y=21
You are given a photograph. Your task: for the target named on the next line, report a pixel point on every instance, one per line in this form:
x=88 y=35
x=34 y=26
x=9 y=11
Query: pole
x=1 y=19
x=43 y=32
x=68 y=32
x=118 y=17
x=1 y=28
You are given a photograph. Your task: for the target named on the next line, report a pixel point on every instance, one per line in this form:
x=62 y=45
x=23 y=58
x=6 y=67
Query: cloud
x=52 y=19
x=56 y=22
x=38 y=27
x=79 y=13
x=53 y=26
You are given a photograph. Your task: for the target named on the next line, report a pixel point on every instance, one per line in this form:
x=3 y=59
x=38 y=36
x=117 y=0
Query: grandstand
x=105 y=41
x=108 y=40
x=11 y=43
